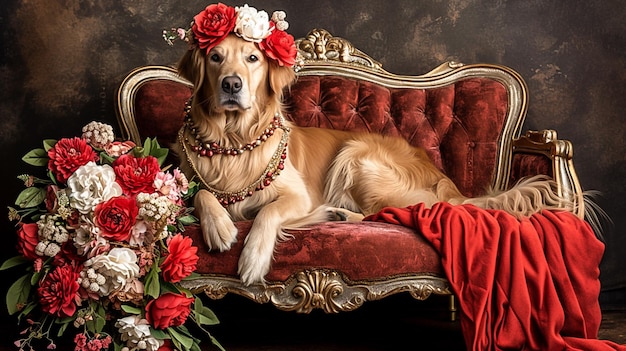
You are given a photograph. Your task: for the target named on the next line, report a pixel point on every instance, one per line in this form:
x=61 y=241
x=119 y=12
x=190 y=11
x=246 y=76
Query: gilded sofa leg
x=452 y=307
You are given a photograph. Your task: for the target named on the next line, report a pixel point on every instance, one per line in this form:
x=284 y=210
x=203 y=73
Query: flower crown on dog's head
x=216 y=21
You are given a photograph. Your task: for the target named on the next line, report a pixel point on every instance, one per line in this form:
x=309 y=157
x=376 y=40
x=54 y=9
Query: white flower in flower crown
x=135 y=331
x=252 y=25
x=90 y=185
x=118 y=267
x=278 y=17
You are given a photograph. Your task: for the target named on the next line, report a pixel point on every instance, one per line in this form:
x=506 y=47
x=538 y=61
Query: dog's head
x=235 y=75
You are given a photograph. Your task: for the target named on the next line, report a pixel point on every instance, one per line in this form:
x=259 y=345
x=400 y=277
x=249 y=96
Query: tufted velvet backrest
x=460 y=124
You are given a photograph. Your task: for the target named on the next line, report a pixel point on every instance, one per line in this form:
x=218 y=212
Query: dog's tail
x=528 y=196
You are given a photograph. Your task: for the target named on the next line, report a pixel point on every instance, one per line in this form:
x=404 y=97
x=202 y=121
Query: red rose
x=136 y=174
x=167 y=346
x=181 y=260
x=69 y=154
x=28 y=238
x=51 y=200
x=116 y=217
x=58 y=292
x=213 y=24
x=168 y=310
x=281 y=47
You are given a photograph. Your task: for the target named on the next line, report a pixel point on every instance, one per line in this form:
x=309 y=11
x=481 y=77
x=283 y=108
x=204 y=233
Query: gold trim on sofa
x=322 y=54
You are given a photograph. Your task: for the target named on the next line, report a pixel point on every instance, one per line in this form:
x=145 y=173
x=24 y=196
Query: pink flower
x=118 y=148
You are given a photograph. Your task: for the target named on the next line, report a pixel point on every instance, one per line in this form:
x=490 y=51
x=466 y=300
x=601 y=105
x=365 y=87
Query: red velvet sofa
x=467 y=117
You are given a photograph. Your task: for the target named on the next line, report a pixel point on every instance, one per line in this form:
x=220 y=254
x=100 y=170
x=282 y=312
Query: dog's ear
x=280 y=77
x=192 y=67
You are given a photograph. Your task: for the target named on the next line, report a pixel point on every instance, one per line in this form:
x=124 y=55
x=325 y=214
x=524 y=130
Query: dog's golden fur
x=325 y=169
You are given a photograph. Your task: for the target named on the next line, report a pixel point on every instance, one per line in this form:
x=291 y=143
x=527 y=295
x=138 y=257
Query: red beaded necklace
x=271 y=172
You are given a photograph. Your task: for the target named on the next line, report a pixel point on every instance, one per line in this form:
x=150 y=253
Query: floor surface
x=396 y=323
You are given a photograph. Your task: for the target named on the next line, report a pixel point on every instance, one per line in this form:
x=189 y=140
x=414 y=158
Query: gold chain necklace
x=271 y=172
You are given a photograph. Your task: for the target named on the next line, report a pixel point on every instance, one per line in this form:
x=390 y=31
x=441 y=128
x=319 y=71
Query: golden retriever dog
x=255 y=165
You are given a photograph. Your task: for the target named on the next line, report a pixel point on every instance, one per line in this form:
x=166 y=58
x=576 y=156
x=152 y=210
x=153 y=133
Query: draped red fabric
x=529 y=284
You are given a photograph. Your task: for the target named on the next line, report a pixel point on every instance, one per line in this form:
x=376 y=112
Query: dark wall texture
x=61 y=61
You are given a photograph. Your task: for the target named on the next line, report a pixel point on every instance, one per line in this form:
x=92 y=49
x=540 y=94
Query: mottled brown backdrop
x=62 y=60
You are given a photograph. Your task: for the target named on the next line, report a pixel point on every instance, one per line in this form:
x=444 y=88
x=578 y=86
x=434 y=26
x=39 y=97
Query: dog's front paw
x=218 y=229
x=255 y=260
x=219 y=232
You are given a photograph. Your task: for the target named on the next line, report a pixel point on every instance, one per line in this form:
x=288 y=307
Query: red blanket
x=522 y=285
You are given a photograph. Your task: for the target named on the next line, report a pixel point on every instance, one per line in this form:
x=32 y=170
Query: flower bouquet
x=100 y=239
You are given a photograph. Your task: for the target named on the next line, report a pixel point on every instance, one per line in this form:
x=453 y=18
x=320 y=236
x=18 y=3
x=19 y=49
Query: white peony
x=118 y=267
x=252 y=25
x=135 y=331
x=90 y=185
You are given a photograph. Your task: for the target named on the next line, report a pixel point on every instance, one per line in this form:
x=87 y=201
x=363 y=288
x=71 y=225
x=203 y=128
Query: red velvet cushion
x=362 y=251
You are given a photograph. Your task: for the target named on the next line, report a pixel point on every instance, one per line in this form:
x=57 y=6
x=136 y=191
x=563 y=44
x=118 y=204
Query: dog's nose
x=231 y=84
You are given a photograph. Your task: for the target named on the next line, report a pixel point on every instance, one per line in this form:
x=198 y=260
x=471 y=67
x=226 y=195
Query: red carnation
x=67 y=155
x=136 y=174
x=116 y=217
x=28 y=238
x=181 y=260
x=280 y=46
x=58 y=292
x=213 y=24
x=168 y=310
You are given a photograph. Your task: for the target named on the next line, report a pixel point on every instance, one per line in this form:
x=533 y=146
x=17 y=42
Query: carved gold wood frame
x=319 y=53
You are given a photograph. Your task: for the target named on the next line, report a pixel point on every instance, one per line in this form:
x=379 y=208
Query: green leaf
x=26 y=310
x=65 y=322
x=17 y=295
x=131 y=309
x=204 y=315
x=152 y=286
x=188 y=219
x=106 y=158
x=13 y=261
x=96 y=324
x=159 y=334
x=30 y=197
x=49 y=144
x=36 y=157
x=151 y=147
x=182 y=335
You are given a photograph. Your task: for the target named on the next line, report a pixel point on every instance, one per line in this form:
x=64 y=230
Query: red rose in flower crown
x=136 y=174
x=116 y=218
x=213 y=24
x=181 y=260
x=280 y=47
x=216 y=21
x=67 y=155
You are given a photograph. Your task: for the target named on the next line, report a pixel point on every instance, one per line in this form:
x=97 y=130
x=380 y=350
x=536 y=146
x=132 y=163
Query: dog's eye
x=253 y=58
x=215 y=58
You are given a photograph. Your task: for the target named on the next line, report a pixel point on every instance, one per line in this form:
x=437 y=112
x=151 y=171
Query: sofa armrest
x=541 y=152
